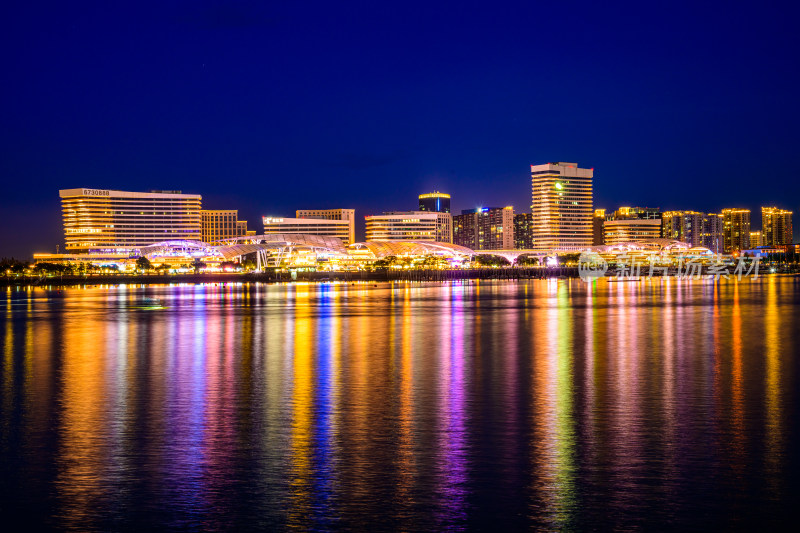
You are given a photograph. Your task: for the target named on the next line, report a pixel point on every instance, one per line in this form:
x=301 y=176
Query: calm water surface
x=545 y=404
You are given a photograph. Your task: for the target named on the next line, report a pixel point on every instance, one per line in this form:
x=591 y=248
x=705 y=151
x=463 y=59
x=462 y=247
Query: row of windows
x=153 y=235
x=122 y=228
x=94 y=200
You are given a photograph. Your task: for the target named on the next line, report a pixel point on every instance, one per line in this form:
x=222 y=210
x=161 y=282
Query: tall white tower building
x=561 y=206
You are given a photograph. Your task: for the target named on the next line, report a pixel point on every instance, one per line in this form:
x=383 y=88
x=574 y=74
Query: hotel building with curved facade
x=561 y=206
x=103 y=219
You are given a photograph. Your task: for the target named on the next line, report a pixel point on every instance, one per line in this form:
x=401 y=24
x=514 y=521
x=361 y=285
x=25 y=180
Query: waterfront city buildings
x=105 y=219
x=561 y=205
x=221 y=224
x=340 y=229
x=684 y=226
x=348 y=215
x=735 y=229
x=437 y=202
x=485 y=228
x=523 y=226
x=713 y=232
x=776 y=227
x=410 y=226
x=103 y=226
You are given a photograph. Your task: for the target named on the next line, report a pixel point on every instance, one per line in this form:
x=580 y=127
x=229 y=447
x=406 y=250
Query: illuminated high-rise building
x=597 y=227
x=561 y=205
x=346 y=215
x=102 y=219
x=713 y=232
x=755 y=239
x=735 y=229
x=684 y=226
x=523 y=225
x=485 y=228
x=437 y=202
x=776 y=227
x=221 y=224
x=410 y=226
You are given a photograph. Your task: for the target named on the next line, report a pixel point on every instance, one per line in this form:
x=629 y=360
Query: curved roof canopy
x=273 y=241
x=179 y=248
x=382 y=249
x=650 y=245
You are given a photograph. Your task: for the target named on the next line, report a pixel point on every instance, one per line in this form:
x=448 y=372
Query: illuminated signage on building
x=96 y=192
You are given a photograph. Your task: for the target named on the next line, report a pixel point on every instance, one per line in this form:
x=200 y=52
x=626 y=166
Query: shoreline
x=284 y=277
x=509 y=274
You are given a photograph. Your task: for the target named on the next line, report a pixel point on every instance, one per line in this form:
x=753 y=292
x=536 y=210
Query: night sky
x=272 y=107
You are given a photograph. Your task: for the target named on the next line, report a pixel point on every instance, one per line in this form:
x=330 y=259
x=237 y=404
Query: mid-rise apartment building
x=684 y=226
x=735 y=229
x=347 y=215
x=523 y=227
x=776 y=227
x=713 y=239
x=485 y=228
x=221 y=224
x=410 y=226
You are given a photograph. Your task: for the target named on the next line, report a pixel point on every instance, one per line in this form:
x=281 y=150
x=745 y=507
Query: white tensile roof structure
x=651 y=246
x=381 y=248
x=179 y=248
x=280 y=241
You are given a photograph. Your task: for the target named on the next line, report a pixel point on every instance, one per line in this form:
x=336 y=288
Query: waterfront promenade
x=278 y=277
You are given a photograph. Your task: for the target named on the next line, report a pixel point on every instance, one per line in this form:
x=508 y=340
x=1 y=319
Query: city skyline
x=264 y=109
x=399 y=266
x=97 y=220
x=359 y=229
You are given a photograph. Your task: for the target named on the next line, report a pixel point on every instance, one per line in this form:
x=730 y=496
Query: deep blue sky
x=278 y=106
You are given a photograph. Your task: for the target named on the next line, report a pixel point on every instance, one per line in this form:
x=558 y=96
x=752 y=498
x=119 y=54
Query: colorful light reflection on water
x=549 y=404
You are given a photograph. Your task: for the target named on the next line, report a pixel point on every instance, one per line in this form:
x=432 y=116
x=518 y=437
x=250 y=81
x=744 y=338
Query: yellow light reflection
x=302 y=400
x=737 y=397
x=84 y=397
x=774 y=436
x=407 y=464
x=553 y=442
